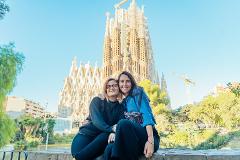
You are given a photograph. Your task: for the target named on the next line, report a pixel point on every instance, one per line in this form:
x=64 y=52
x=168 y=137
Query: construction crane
x=186 y=80
x=187 y=83
x=116 y=6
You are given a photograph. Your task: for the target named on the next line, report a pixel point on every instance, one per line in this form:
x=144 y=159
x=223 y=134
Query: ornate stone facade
x=127 y=44
x=80 y=86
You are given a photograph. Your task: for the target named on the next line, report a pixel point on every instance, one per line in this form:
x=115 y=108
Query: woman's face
x=125 y=84
x=112 y=88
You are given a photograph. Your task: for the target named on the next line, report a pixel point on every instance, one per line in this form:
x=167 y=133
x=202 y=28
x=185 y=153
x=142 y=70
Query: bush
x=20 y=145
x=63 y=138
x=33 y=144
x=216 y=141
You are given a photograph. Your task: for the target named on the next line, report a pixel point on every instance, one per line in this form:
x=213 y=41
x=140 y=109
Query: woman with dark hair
x=135 y=135
x=95 y=134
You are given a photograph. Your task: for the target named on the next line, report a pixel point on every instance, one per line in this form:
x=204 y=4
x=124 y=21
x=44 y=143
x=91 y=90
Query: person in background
x=104 y=113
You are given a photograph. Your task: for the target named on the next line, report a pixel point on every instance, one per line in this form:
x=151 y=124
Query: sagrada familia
x=127 y=46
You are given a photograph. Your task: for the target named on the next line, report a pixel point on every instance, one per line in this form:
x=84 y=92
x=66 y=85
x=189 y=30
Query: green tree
x=4 y=8
x=7 y=129
x=234 y=87
x=50 y=126
x=31 y=131
x=11 y=63
x=207 y=123
x=155 y=94
x=159 y=101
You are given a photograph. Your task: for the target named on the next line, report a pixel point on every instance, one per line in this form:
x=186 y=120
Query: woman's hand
x=111 y=137
x=149 y=148
x=149 y=145
x=114 y=127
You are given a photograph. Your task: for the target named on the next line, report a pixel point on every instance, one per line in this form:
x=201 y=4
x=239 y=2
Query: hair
x=105 y=86
x=132 y=80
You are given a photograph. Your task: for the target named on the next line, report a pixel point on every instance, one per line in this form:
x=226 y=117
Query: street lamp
x=46 y=127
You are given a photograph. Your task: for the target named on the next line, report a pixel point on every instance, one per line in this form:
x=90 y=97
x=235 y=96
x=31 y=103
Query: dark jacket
x=103 y=115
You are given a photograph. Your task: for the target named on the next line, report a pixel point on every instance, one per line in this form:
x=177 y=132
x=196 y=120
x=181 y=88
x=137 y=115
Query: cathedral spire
x=74 y=67
x=107 y=29
x=132 y=14
x=128 y=46
x=163 y=83
x=141 y=25
x=134 y=2
x=142 y=9
x=116 y=18
x=164 y=89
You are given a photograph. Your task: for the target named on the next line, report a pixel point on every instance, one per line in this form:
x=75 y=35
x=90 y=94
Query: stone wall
x=160 y=155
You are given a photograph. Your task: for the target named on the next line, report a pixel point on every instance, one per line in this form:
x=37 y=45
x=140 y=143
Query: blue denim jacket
x=131 y=104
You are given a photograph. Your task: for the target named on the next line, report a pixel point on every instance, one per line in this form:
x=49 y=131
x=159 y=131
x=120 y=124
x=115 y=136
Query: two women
x=92 y=138
x=136 y=134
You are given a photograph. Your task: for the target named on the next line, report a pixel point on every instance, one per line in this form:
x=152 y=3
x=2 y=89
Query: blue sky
x=199 y=38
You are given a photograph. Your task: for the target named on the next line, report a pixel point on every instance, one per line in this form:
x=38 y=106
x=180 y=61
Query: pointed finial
x=107 y=24
x=143 y=8
x=107 y=15
x=74 y=61
x=96 y=64
x=75 y=58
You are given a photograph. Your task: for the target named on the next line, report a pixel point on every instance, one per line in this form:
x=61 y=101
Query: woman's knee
x=74 y=145
x=103 y=135
x=124 y=123
x=78 y=143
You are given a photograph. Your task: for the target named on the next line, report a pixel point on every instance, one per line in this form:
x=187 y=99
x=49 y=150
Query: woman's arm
x=149 y=145
x=96 y=115
x=149 y=129
x=146 y=110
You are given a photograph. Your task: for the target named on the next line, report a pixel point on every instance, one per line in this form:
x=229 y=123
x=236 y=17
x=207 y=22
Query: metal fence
x=13 y=155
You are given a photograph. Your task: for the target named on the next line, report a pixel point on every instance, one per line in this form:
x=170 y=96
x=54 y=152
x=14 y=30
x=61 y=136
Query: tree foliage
x=207 y=124
x=234 y=87
x=155 y=94
x=4 y=8
x=7 y=129
x=32 y=131
x=204 y=125
x=159 y=102
x=50 y=126
x=11 y=63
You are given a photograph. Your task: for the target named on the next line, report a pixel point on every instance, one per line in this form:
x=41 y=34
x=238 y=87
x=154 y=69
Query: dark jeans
x=129 y=141
x=86 y=147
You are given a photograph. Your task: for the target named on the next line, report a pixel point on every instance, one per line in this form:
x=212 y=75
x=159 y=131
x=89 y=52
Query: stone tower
x=127 y=44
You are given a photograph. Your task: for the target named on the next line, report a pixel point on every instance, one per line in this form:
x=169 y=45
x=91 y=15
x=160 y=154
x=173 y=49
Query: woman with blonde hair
x=104 y=113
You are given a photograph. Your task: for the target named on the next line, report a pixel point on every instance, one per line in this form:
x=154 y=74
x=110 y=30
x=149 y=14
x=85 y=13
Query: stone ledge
x=166 y=154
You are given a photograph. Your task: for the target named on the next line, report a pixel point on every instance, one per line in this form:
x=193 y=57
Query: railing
x=162 y=154
x=14 y=155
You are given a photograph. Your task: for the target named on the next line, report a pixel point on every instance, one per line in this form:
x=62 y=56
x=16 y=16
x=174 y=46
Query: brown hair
x=105 y=86
x=132 y=80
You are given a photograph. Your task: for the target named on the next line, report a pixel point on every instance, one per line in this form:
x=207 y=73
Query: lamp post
x=46 y=127
x=46 y=145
